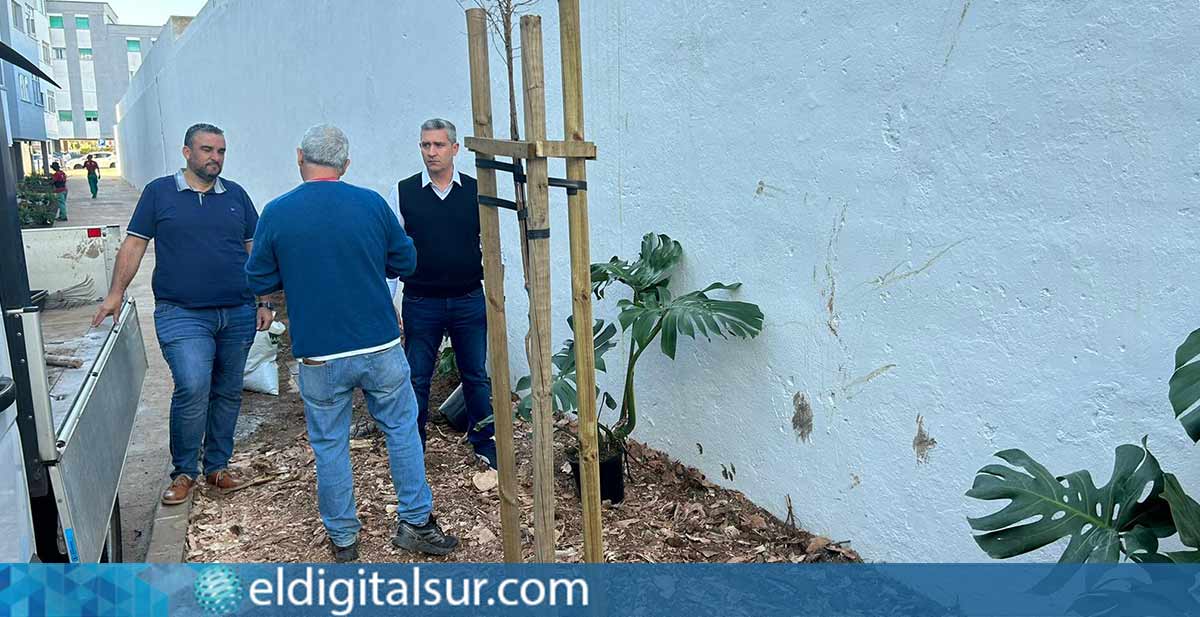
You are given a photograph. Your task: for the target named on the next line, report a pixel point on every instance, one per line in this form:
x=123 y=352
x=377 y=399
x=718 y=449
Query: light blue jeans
x=327 y=390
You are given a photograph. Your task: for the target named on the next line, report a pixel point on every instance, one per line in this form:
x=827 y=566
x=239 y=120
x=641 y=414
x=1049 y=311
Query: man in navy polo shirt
x=204 y=315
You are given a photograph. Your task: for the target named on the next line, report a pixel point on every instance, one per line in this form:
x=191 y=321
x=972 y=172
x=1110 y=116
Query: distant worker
x=59 y=181
x=93 y=171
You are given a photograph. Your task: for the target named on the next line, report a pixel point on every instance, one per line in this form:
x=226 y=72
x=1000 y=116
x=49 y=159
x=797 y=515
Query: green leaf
x=1184 y=511
x=643 y=325
x=658 y=257
x=670 y=333
x=1044 y=508
x=564 y=389
x=1185 y=385
x=1184 y=556
x=1141 y=544
x=712 y=316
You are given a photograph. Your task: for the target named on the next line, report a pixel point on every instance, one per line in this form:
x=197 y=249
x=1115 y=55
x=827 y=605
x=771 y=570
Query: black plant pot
x=612 y=477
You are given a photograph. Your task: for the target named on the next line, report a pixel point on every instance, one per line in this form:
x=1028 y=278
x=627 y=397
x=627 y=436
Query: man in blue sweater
x=330 y=245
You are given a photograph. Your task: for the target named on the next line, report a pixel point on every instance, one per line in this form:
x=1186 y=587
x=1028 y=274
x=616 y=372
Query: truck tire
x=114 y=551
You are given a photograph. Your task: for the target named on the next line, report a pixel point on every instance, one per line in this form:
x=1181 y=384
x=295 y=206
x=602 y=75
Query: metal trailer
x=66 y=434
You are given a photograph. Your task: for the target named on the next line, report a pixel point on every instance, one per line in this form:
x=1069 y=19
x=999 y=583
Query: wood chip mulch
x=671 y=513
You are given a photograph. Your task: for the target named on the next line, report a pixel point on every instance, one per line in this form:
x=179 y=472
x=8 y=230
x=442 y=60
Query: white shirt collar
x=426 y=180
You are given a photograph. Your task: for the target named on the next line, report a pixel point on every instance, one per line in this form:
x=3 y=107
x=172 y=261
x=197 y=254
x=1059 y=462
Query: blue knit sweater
x=330 y=246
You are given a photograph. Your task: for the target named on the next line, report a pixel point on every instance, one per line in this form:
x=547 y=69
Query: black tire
x=112 y=165
x=77 y=167
x=114 y=549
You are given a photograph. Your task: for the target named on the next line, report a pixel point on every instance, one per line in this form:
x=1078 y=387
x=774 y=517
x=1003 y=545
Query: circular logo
x=218 y=590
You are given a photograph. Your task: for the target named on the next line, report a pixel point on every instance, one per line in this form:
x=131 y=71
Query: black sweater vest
x=446 y=236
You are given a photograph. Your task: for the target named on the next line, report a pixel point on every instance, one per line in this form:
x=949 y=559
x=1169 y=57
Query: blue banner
x=668 y=590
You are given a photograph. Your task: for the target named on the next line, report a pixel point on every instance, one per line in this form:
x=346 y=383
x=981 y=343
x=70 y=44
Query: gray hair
x=438 y=124
x=199 y=127
x=325 y=145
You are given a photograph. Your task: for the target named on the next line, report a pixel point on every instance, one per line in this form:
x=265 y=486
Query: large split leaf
x=1185 y=385
x=1186 y=514
x=659 y=256
x=564 y=388
x=691 y=314
x=1044 y=508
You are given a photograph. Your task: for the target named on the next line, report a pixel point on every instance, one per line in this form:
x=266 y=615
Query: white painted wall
x=998 y=196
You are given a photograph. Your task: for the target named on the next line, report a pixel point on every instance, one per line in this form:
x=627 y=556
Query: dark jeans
x=206 y=350
x=426 y=321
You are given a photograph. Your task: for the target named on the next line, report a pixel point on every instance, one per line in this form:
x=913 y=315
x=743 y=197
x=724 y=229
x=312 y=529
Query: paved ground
x=148 y=461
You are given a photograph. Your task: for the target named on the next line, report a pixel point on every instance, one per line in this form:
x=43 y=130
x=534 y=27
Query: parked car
x=104 y=159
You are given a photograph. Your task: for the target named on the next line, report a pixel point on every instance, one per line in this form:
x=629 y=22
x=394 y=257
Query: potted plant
x=651 y=312
x=564 y=395
x=36 y=203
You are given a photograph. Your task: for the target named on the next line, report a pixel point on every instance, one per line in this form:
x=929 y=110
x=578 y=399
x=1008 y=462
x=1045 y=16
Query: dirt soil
x=671 y=513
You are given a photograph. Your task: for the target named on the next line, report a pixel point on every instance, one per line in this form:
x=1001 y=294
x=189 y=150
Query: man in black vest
x=439 y=210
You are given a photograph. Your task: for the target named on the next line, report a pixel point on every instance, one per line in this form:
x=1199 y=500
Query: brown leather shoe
x=179 y=491
x=226 y=481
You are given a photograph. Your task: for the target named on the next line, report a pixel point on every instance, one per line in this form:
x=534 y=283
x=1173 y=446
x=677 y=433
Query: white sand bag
x=262 y=367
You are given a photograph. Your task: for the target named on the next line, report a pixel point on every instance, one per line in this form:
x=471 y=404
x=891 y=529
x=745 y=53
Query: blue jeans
x=206 y=351
x=426 y=321
x=327 y=390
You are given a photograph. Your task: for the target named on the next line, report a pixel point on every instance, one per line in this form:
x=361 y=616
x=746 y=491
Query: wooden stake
x=493 y=281
x=581 y=282
x=538 y=343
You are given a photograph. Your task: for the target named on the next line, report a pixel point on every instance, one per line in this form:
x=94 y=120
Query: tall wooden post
x=538 y=342
x=493 y=281
x=581 y=281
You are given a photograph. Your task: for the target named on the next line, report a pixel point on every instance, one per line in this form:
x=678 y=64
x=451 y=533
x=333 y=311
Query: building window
x=60 y=53
x=56 y=21
x=133 y=45
x=85 y=53
x=64 y=115
x=30 y=23
x=46 y=53
x=82 y=23
x=50 y=106
x=23 y=86
x=18 y=16
x=91 y=116
x=41 y=94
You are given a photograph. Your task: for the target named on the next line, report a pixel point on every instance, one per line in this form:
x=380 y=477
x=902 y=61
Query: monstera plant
x=1139 y=506
x=564 y=388
x=652 y=312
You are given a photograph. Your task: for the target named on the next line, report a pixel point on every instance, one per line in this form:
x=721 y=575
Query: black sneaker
x=486 y=453
x=342 y=554
x=428 y=538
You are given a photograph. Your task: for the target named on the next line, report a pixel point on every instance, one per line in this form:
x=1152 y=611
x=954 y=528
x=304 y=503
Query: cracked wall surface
x=970 y=225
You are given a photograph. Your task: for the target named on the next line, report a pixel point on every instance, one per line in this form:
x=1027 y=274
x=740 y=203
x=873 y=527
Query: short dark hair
x=199 y=127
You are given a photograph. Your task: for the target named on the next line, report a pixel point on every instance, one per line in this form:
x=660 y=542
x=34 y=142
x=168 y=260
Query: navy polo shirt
x=199 y=241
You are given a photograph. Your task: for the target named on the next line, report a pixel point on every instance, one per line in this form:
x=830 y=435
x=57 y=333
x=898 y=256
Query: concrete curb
x=168 y=535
